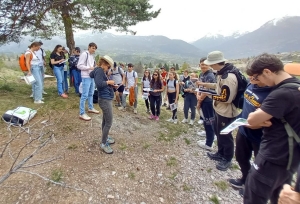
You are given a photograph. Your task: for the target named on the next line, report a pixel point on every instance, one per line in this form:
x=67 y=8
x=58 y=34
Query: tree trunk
x=69 y=32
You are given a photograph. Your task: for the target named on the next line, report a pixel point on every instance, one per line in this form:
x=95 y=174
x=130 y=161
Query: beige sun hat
x=108 y=59
x=214 y=57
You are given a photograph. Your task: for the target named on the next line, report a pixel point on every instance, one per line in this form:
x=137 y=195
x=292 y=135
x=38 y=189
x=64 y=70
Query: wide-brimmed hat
x=214 y=57
x=292 y=68
x=108 y=59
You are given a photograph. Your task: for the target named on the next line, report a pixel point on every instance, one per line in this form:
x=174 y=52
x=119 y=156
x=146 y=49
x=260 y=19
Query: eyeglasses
x=255 y=78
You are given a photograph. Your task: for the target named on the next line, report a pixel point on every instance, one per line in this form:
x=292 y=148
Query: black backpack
x=238 y=101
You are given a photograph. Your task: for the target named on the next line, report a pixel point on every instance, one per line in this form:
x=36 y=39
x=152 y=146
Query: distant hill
x=277 y=35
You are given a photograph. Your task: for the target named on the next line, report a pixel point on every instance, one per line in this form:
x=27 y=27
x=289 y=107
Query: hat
x=130 y=65
x=115 y=64
x=292 y=68
x=162 y=67
x=108 y=59
x=41 y=43
x=214 y=57
x=77 y=49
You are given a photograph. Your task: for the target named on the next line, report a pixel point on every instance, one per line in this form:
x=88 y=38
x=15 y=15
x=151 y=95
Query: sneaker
x=118 y=105
x=151 y=117
x=85 y=117
x=201 y=133
x=200 y=122
x=39 y=102
x=31 y=96
x=237 y=183
x=135 y=111
x=44 y=93
x=191 y=122
x=175 y=121
x=168 y=108
x=64 y=95
x=216 y=156
x=241 y=192
x=106 y=148
x=121 y=108
x=184 y=120
x=156 y=118
x=164 y=104
x=170 y=120
x=110 y=140
x=223 y=165
x=93 y=111
x=203 y=145
x=148 y=111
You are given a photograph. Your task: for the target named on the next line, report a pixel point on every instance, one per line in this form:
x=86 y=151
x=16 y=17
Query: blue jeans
x=43 y=76
x=88 y=88
x=208 y=121
x=65 y=83
x=37 y=86
x=190 y=102
x=59 y=74
x=77 y=79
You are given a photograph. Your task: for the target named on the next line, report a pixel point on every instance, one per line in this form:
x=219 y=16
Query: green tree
x=150 y=65
x=159 y=65
x=48 y=18
x=185 y=66
x=176 y=67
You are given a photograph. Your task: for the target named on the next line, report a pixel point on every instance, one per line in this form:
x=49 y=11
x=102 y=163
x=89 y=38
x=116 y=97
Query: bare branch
x=43 y=162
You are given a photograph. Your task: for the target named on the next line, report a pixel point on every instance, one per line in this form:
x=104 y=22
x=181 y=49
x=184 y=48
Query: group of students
x=270 y=106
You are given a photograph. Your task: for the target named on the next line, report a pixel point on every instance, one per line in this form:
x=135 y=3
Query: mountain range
x=277 y=35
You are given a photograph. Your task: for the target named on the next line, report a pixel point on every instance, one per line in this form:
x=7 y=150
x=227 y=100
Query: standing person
x=87 y=64
x=279 y=154
x=247 y=139
x=182 y=81
x=131 y=81
x=190 y=99
x=225 y=111
x=76 y=73
x=57 y=60
x=118 y=76
x=146 y=84
x=66 y=83
x=206 y=104
x=105 y=97
x=172 y=95
x=32 y=63
x=164 y=76
x=155 y=96
x=41 y=54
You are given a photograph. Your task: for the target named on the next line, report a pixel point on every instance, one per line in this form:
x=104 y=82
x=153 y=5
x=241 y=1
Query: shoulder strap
x=292 y=135
x=119 y=70
x=87 y=56
x=168 y=81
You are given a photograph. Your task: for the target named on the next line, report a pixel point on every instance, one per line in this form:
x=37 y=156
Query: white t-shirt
x=131 y=78
x=40 y=54
x=35 y=60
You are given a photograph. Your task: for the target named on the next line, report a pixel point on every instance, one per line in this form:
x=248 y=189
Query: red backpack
x=22 y=62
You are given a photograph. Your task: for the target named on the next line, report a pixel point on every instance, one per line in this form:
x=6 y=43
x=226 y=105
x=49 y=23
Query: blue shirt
x=253 y=98
x=105 y=91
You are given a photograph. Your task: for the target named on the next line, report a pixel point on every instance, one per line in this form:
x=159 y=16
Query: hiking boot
x=93 y=111
x=175 y=121
x=85 y=117
x=216 y=156
x=168 y=108
x=64 y=95
x=191 y=122
x=164 y=104
x=237 y=183
x=201 y=133
x=204 y=146
x=156 y=118
x=44 y=93
x=39 y=102
x=110 y=140
x=118 y=105
x=148 y=111
x=135 y=111
x=241 y=192
x=170 y=120
x=106 y=148
x=151 y=117
x=200 y=122
x=184 y=120
x=223 y=165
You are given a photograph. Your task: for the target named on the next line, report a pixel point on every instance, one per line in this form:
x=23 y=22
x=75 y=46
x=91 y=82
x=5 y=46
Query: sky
x=189 y=20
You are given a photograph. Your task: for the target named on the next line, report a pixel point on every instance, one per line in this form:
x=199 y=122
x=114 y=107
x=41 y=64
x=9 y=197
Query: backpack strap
x=87 y=56
x=292 y=135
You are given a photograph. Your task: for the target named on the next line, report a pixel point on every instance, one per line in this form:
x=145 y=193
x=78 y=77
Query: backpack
x=290 y=131
x=22 y=61
x=119 y=70
x=238 y=101
x=133 y=74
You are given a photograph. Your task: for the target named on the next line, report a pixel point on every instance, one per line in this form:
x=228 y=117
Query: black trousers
x=155 y=102
x=208 y=121
x=243 y=153
x=147 y=101
x=225 y=142
x=265 y=181
x=171 y=99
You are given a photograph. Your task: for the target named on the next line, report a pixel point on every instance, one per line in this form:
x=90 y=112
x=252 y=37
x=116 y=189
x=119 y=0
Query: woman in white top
x=172 y=95
x=146 y=84
x=32 y=63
